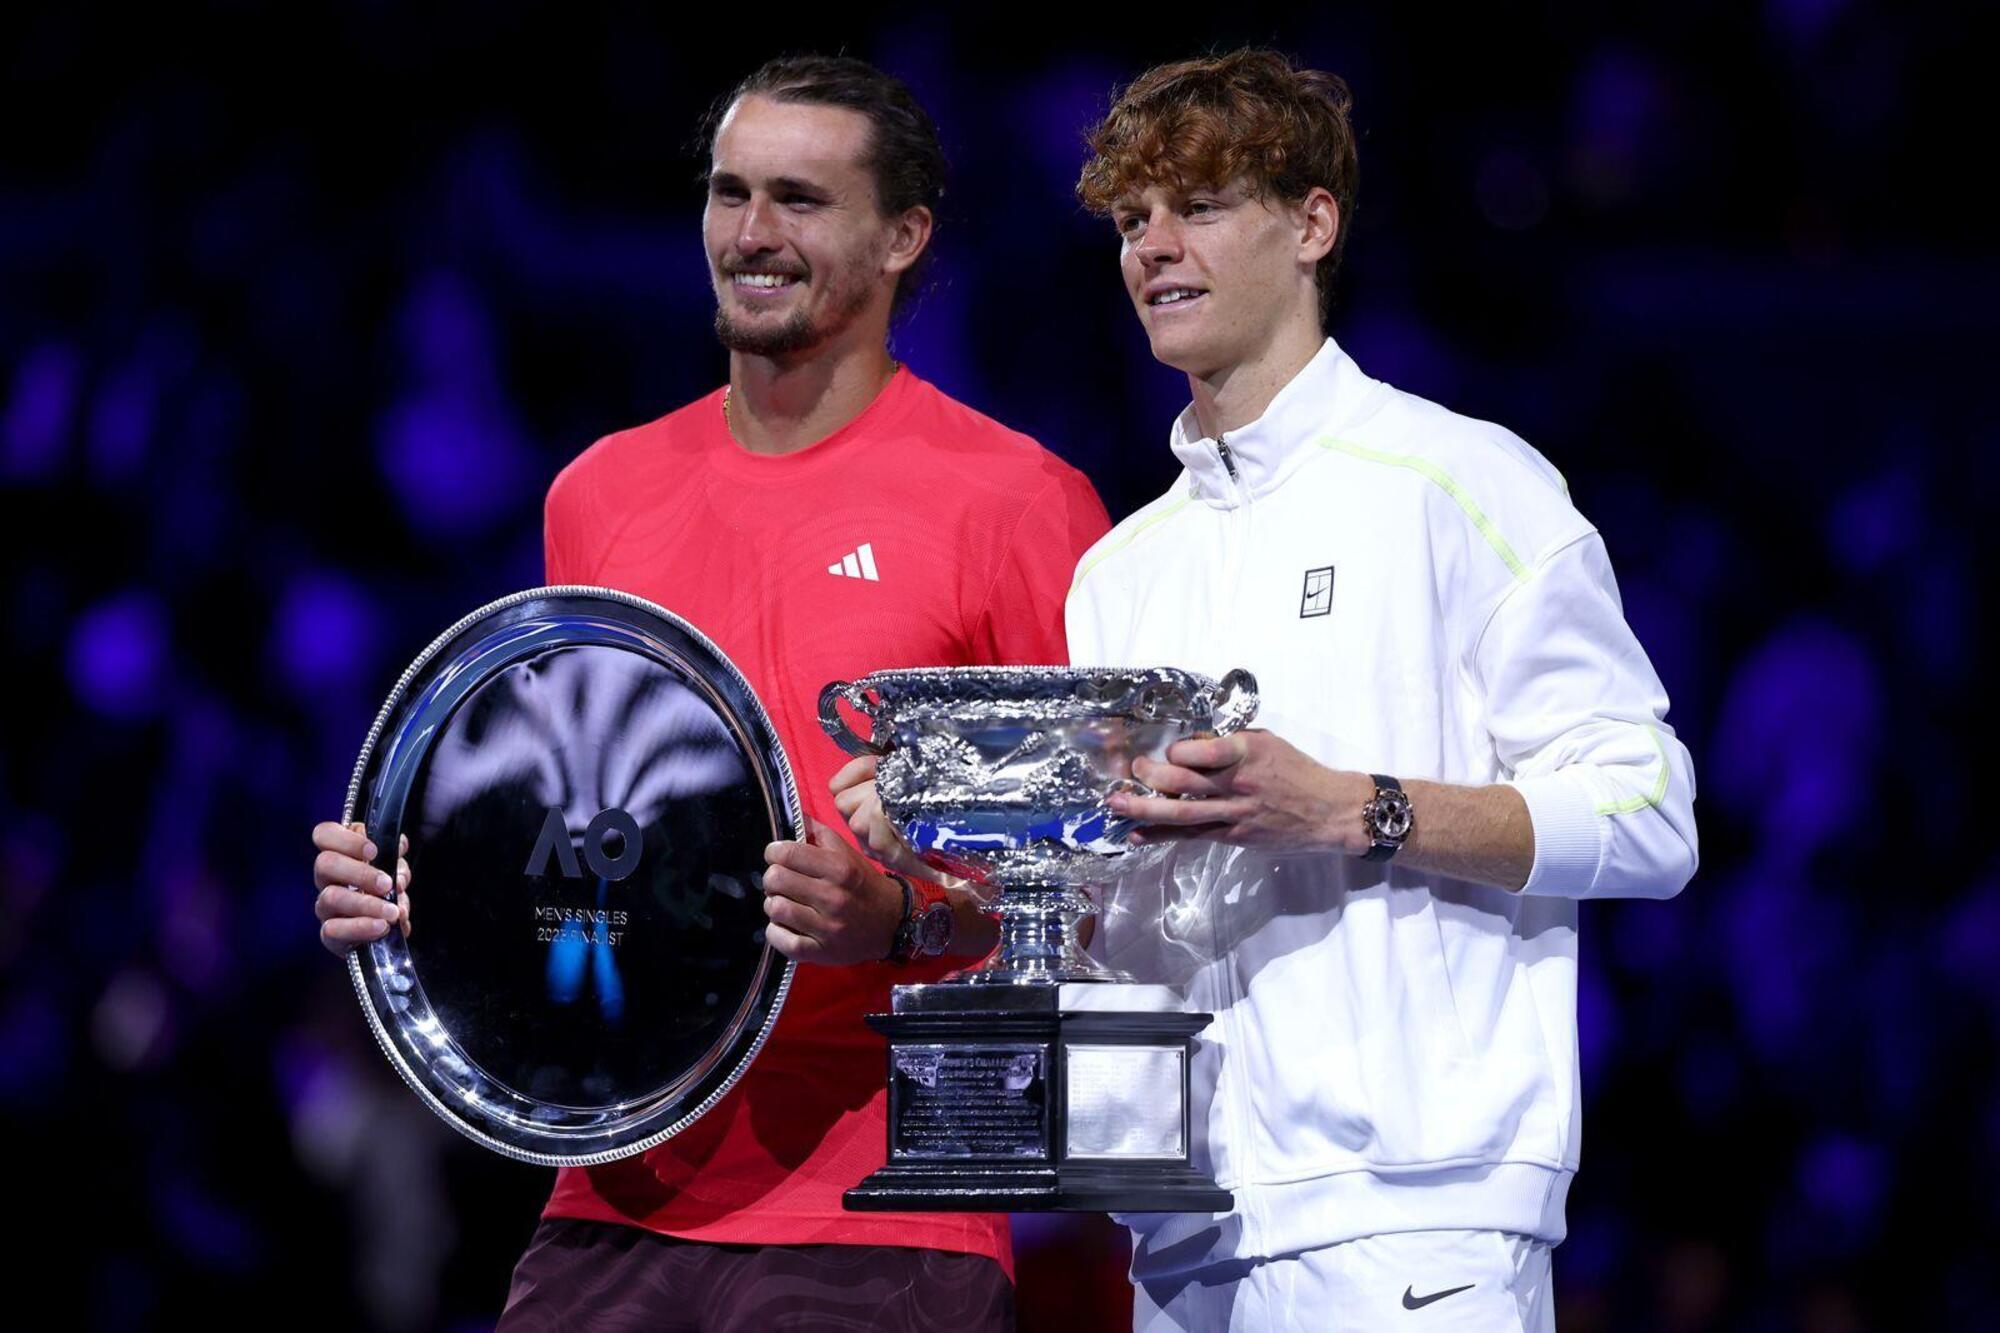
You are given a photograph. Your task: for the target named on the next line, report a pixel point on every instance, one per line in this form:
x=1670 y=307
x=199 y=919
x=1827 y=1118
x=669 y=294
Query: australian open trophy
x=1039 y=1080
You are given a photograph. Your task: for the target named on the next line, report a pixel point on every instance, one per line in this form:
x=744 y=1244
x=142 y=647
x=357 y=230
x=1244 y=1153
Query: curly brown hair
x=1249 y=115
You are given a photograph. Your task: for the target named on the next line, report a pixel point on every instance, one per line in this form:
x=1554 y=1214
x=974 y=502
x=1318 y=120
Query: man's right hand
x=353 y=903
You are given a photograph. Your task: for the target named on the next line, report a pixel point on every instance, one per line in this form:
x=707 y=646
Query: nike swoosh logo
x=1412 y=1301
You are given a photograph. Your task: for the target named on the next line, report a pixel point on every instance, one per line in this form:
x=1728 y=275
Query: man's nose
x=757 y=230
x=1162 y=242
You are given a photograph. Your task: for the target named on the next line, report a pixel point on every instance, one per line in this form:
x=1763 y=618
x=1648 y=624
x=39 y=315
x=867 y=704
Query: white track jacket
x=1392 y=1050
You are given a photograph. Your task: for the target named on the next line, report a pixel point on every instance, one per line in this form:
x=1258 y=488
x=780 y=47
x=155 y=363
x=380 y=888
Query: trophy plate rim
x=380 y=970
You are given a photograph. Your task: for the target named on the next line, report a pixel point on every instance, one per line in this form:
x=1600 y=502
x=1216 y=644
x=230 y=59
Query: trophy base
x=1034 y=972
x=1047 y=1098
x=1075 y=1188
x=1040 y=941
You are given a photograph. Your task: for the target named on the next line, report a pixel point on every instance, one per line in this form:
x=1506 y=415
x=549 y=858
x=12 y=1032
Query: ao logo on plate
x=554 y=841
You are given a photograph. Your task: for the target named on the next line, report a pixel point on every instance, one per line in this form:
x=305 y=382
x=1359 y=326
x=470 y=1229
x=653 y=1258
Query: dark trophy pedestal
x=1038 y=1098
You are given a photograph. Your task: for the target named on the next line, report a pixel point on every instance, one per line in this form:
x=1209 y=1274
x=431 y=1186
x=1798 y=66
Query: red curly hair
x=1249 y=115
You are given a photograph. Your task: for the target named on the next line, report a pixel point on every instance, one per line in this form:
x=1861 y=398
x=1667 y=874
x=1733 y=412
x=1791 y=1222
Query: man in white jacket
x=1375 y=891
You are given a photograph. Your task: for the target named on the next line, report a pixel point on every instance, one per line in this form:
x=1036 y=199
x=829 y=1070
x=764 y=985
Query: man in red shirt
x=826 y=514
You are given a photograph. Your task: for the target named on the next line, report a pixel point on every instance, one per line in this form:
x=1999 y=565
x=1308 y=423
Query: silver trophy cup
x=1003 y=776
x=1040 y=1079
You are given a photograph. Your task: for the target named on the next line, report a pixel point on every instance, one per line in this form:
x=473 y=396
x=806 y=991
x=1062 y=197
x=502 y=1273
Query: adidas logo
x=857 y=564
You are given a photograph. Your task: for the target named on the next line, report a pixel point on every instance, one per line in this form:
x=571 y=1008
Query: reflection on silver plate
x=587 y=785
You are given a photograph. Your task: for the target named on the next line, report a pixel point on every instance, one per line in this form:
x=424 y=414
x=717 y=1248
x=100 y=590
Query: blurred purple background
x=299 y=314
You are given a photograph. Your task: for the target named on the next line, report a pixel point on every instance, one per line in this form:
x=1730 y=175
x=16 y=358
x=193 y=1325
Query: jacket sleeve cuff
x=1568 y=846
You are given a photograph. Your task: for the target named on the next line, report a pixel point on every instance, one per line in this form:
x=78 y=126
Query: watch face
x=1389 y=813
x=934 y=929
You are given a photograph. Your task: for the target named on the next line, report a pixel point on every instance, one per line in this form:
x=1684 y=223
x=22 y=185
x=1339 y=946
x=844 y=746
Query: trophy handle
x=836 y=726
x=1235 y=702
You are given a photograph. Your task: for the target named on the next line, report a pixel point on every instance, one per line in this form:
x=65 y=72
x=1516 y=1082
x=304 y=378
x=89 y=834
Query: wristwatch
x=1388 y=819
x=925 y=931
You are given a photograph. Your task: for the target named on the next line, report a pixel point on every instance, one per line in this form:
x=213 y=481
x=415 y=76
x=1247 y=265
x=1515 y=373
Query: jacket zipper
x=1247 y=1166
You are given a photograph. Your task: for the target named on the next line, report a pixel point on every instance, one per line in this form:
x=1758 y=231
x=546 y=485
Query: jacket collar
x=1322 y=399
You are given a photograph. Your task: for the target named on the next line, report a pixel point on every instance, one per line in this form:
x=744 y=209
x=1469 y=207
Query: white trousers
x=1476 y=1281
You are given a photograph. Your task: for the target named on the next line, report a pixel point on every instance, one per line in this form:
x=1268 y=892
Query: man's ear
x=1319 y=224
x=907 y=239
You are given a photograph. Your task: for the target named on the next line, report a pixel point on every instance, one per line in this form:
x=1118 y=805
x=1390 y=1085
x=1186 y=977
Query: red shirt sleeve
x=565 y=558
x=551 y=563
x=1022 y=620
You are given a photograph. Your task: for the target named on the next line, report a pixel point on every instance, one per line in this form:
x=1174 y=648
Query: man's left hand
x=827 y=903
x=854 y=796
x=1251 y=789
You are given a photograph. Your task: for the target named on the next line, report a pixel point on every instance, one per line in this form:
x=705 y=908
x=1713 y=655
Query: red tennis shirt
x=919 y=534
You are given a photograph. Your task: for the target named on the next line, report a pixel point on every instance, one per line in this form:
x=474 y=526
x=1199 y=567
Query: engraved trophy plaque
x=1039 y=1080
x=588 y=786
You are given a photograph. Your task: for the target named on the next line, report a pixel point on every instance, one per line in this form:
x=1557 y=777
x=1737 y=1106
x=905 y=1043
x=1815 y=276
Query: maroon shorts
x=609 y=1279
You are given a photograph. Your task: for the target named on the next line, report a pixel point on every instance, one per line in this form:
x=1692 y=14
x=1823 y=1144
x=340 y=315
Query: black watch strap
x=904 y=946
x=1383 y=848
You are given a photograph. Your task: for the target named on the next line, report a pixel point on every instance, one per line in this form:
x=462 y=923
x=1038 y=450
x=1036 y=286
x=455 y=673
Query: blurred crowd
x=299 y=316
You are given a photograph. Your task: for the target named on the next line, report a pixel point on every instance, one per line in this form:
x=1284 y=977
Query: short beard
x=796 y=334
x=851 y=292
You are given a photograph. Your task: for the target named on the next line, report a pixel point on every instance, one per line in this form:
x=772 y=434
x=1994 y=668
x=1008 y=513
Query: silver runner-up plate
x=588 y=786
